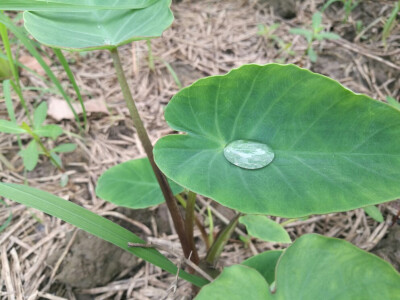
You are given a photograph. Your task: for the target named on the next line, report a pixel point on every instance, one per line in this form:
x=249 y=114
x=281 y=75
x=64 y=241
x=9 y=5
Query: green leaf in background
x=313 y=267
x=327 y=36
x=30 y=155
x=374 y=213
x=73 y=5
x=132 y=184
x=56 y=158
x=10 y=127
x=68 y=147
x=91 y=223
x=236 y=283
x=39 y=115
x=265 y=229
x=52 y=131
x=265 y=263
x=334 y=150
x=98 y=29
x=304 y=32
x=312 y=55
x=316 y=21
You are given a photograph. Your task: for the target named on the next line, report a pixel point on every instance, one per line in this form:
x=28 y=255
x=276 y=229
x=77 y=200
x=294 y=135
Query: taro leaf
x=91 y=223
x=236 y=283
x=334 y=150
x=265 y=263
x=72 y=5
x=132 y=184
x=265 y=229
x=30 y=155
x=313 y=267
x=39 y=115
x=316 y=266
x=98 y=29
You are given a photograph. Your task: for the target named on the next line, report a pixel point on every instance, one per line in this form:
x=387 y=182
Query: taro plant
x=272 y=140
x=316 y=33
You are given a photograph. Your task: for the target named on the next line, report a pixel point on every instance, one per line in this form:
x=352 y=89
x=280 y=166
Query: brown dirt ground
x=40 y=255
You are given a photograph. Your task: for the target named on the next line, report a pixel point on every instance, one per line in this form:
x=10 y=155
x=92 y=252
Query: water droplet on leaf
x=248 y=154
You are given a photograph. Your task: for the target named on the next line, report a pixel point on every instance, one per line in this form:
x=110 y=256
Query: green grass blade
x=71 y=77
x=92 y=223
x=9 y=106
x=390 y=23
x=8 y=100
x=20 y=34
x=173 y=74
x=14 y=70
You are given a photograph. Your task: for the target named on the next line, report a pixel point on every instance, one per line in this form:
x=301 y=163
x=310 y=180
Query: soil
x=45 y=256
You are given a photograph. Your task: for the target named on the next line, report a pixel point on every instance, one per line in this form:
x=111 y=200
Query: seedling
x=316 y=33
x=272 y=140
x=268 y=32
x=38 y=131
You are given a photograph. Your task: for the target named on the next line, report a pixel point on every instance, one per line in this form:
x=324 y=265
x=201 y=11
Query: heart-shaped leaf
x=333 y=150
x=98 y=29
x=313 y=267
x=265 y=229
x=132 y=184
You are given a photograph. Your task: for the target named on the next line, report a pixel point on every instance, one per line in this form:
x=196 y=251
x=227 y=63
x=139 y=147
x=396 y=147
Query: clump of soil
x=91 y=262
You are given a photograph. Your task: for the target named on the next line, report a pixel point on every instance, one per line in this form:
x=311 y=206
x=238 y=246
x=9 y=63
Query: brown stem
x=145 y=140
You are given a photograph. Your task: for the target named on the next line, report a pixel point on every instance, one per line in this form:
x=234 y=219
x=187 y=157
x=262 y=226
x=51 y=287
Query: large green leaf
x=132 y=184
x=98 y=29
x=334 y=150
x=90 y=222
x=265 y=229
x=73 y=5
x=314 y=267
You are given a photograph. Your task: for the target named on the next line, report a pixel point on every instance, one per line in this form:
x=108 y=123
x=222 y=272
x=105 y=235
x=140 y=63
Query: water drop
x=106 y=42
x=248 y=154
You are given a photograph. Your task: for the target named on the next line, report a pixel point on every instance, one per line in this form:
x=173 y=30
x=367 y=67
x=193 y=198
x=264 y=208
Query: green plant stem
x=216 y=249
x=71 y=77
x=189 y=224
x=197 y=221
x=145 y=140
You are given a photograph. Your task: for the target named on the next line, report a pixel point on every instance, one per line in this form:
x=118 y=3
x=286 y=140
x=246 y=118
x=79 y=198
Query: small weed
x=316 y=33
